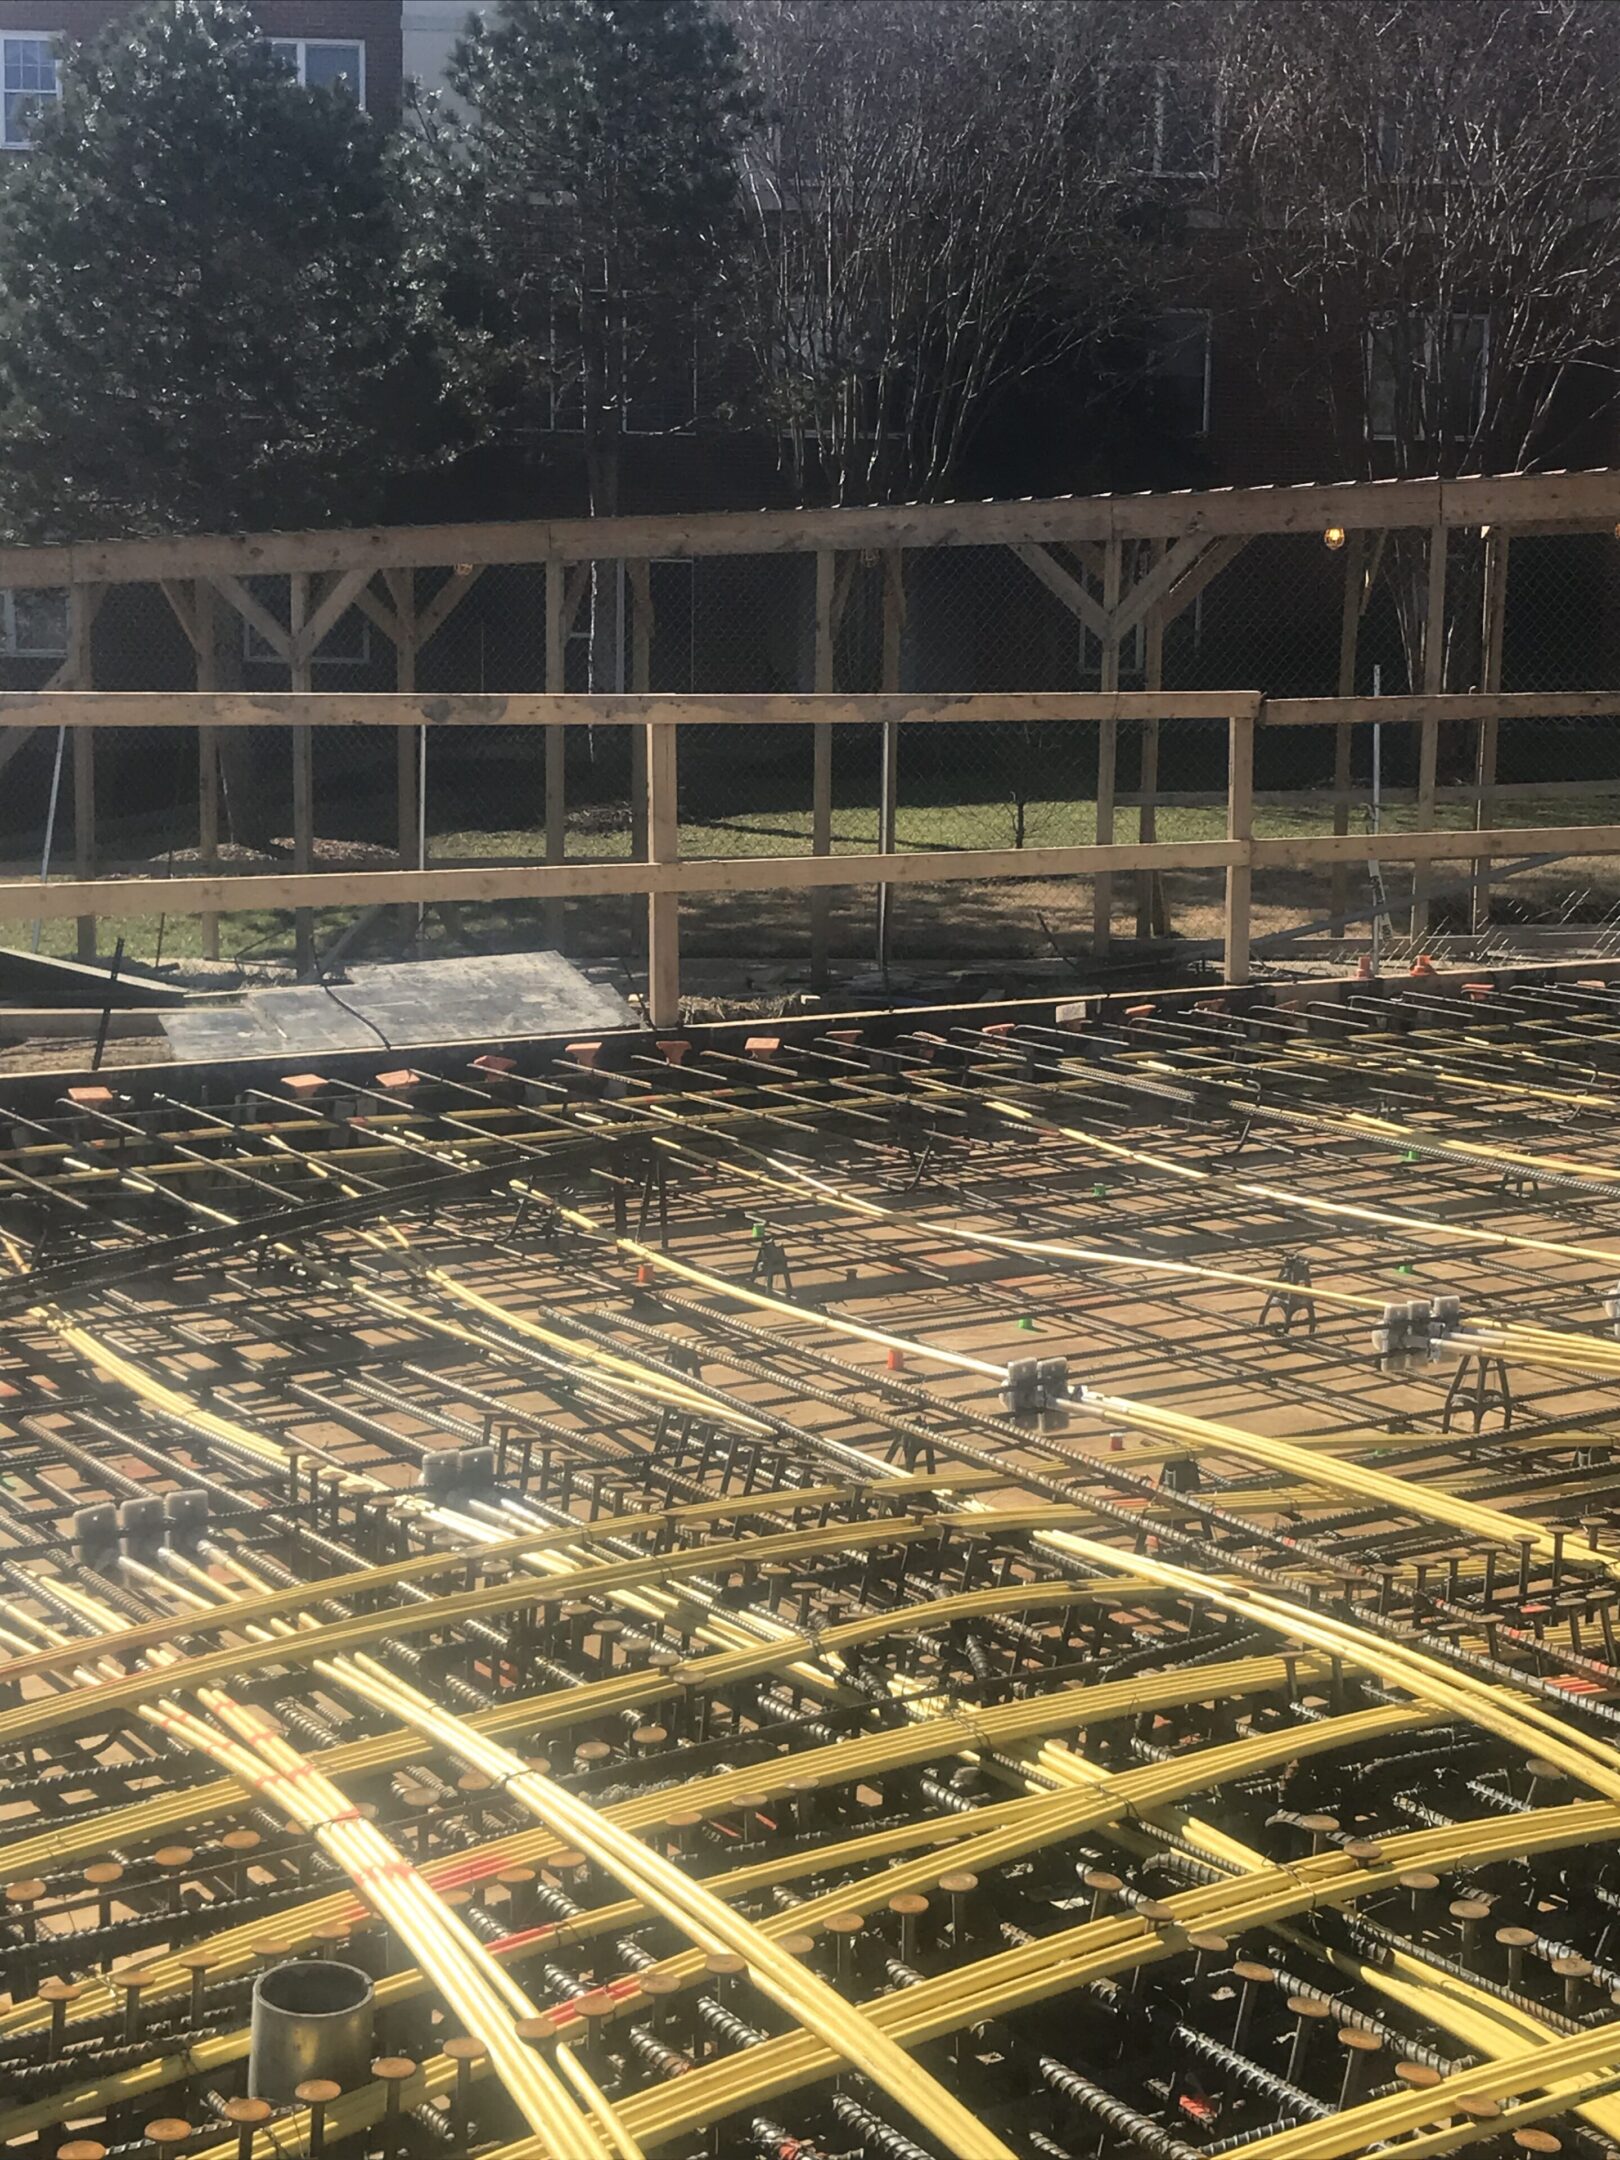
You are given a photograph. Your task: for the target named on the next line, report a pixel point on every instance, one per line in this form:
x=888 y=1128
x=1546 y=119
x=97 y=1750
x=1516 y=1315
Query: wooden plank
x=182 y=605
x=463 y=577
x=1434 y=682
x=407 y=740
x=595 y=880
x=1164 y=570
x=1493 y=623
x=1587 y=500
x=1148 y=889
x=204 y=612
x=1452 y=705
x=1102 y=891
x=639 y=577
x=821 y=777
x=380 y=617
x=1069 y=590
x=663 y=823
x=1240 y=829
x=894 y=624
x=1461 y=846
x=80 y=647
x=337 y=597
x=387 y=708
x=1353 y=605
x=558 y=617
x=253 y=611
x=303 y=771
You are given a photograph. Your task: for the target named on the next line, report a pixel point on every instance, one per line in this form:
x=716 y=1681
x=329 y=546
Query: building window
x=1168 y=119
x=28 y=67
x=1426 y=378
x=33 y=623
x=325 y=63
x=346 y=644
x=1179 y=369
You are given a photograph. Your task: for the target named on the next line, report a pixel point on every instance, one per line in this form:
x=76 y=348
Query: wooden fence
x=664 y=878
x=1120 y=567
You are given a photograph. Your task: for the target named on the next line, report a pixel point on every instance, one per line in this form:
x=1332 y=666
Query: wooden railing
x=664 y=877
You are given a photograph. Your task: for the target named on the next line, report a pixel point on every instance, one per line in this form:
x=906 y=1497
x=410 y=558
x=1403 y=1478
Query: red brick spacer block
x=1001 y=1027
x=845 y=1035
x=92 y=1098
x=1140 y=1012
x=1479 y=990
x=490 y=1063
x=304 y=1083
x=763 y=1046
x=584 y=1053
x=675 y=1051
x=399 y=1083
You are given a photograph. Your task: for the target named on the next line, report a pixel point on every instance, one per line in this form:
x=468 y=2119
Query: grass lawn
x=940 y=826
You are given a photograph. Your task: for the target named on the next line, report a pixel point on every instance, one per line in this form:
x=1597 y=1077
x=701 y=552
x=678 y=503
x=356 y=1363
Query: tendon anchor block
x=1035 y=1385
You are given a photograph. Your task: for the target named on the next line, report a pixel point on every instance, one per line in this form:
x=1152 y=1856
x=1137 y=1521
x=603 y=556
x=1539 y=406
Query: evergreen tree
x=597 y=187
x=206 y=320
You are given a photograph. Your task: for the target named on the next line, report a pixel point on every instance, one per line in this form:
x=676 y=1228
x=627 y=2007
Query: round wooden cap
x=1309 y=2006
x=472 y=1781
x=168 y=2130
x=535 y=2029
x=1477 y=2109
x=130 y=1976
x=200 y=1959
x=241 y=1841
x=1537 y=2141
x=1572 y=1968
x=174 y=1856
x=28 y=1891
x=650 y=1736
x=845 y=1923
x=725 y=1964
x=56 y=1990
x=465 y=2047
x=1469 y=1908
x=246 y=2112
x=592 y=1751
x=960 y=1884
x=568 y=1861
x=910 y=1904
x=392 y=2069
x=795 y=1945
x=318 y=2092
x=1419 y=2076
x=660 y=1983
x=598 y=2003
x=1365 y=1852
x=1100 y=1879
x=1214 y=1945
x=1318 y=1825
x=81 y=2149
x=1418 y=1879
x=1539 y=1767
x=1250 y=1969
x=1360 y=2043
x=514 y=1877
x=102 y=1874
x=1515 y=1938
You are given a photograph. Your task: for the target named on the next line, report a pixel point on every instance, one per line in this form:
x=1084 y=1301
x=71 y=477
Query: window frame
x=304 y=45
x=1478 y=388
x=50 y=38
x=1205 y=320
x=1163 y=73
x=9 y=647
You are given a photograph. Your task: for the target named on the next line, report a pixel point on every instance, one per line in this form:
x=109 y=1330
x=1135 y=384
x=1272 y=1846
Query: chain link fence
x=1283 y=613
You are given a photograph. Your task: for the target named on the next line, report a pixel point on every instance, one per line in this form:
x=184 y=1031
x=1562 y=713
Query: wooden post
x=1434 y=679
x=303 y=774
x=407 y=740
x=639 y=574
x=1150 y=909
x=1239 y=826
x=1355 y=570
x=206 y=625
x=1102 y=891
x=894 y=623
x=663 y=846
x=81 y=619
x=821 y=776
x=1493 y=610
x=556 y=737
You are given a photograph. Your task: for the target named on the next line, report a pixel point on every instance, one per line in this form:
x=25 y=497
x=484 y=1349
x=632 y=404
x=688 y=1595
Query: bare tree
x=1424 y=192
x=930 y=221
